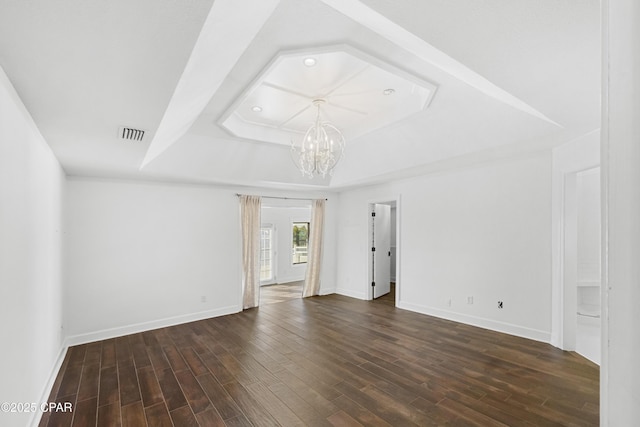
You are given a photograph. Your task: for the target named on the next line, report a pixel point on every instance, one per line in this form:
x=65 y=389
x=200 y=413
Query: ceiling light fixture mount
x=309 y=61
x=320 y=149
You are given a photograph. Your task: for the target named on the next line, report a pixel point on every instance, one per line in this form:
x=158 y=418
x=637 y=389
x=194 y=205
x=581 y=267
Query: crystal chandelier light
x=321 y=148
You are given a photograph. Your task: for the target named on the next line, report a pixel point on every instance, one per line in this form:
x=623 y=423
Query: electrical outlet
x=203 y=298
x=499 y=304
x=469 y=300
x=449 y=302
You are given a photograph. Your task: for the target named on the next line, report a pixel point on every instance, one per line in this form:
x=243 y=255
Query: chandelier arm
x=321 y=148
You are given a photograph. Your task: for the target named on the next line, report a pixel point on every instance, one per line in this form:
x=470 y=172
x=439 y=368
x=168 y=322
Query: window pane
x=300 y=242
x=266 y=254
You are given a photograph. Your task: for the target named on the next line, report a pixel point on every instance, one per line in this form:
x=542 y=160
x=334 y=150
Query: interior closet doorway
x=383 y=254
x=284 y=232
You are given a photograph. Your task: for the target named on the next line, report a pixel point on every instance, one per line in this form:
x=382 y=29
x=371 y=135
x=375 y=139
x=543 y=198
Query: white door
x=381 y=256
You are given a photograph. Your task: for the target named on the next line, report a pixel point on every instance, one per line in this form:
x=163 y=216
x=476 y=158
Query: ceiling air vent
x=130 y=134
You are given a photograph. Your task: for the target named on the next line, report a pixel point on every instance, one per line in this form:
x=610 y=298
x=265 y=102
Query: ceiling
x=353 y=91
x=500 y=77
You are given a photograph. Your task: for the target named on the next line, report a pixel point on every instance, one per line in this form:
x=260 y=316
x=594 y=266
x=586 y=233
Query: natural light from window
x=266 y=253
x=300 y=242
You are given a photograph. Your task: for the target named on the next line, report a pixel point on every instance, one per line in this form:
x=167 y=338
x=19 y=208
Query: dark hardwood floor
x=390 y=298
x=319 y=361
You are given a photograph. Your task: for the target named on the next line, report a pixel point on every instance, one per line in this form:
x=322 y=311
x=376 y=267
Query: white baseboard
x=146 y=326
x=44 y=397
x=351 y=293
x=493 y=325
x=281 y=280
x=327 y=291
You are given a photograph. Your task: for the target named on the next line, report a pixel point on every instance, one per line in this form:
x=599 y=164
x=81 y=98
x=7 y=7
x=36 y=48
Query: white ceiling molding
x=380 y=24
x=230 y=27
x=362 y=94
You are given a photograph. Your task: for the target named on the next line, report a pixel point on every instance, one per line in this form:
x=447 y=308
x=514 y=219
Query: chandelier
x=321 y=148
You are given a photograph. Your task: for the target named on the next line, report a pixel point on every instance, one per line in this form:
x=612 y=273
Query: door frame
x=568 y=160
x=395 y=201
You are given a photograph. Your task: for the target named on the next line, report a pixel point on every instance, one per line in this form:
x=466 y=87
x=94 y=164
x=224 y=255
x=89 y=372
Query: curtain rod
x=282 y=198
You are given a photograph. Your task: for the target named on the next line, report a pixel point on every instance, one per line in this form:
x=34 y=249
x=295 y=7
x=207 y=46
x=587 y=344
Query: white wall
x=482 y=232
x=620 y=373
x=142 y=255
x=282 y=219
x=329 y=270
x=31 y=189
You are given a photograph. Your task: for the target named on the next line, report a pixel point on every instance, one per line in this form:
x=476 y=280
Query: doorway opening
x=383 y=255
x=576 y=228
x=283 y=249
x=581 y=261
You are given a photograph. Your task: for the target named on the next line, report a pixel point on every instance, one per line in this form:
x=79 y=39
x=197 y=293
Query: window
x=266 y=253
x=300 y=240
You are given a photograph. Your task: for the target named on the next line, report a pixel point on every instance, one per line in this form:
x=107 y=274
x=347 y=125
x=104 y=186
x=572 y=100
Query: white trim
x=327 y=291
x=236 y=126
x=46 y=391
x=577 y=155
x=147 y=326
x=605 y=26
x=397 y=198
x=507 y=328
x=351 y=293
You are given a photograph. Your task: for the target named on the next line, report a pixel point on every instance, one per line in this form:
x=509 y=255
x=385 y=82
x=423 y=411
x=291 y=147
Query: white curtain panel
x=314 y=262
x=250 y=217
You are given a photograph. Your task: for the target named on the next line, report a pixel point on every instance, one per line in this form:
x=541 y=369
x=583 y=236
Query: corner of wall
x=32 y=187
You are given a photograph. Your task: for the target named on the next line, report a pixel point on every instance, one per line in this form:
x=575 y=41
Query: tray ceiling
x=362 y=94
x=511 y=77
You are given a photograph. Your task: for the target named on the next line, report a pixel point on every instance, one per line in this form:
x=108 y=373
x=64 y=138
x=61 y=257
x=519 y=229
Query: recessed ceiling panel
x=324 y=72
x=270 y=106
x=362 y=94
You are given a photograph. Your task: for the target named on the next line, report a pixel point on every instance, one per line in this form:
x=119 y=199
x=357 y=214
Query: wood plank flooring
x=272 y=294
x=324 y=361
